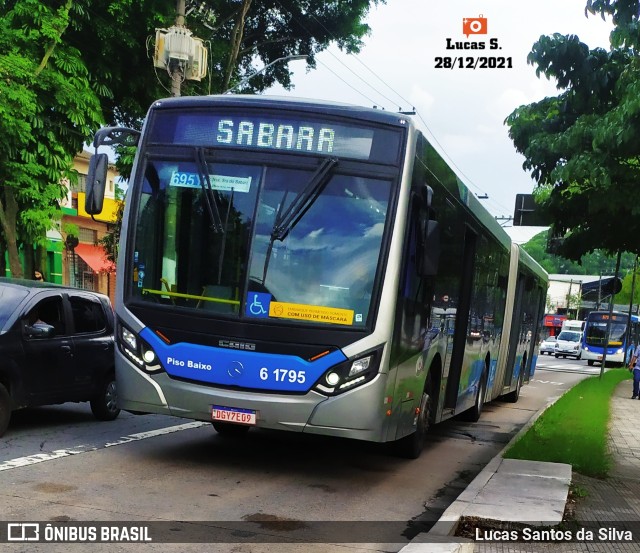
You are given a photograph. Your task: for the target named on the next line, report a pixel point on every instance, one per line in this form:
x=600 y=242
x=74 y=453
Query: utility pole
x=182 y=55
x=176 y=67
x=628 y=336
x=608 y=328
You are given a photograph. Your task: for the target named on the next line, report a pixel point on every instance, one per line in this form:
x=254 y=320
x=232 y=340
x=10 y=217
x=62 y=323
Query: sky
x=460 y=110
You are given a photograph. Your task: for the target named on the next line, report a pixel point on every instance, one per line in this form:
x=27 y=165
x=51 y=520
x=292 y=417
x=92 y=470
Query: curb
x=441 y=538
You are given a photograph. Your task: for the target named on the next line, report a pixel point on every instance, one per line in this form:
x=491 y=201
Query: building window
x=80 y=185
x=88 y=236
x=81 y=275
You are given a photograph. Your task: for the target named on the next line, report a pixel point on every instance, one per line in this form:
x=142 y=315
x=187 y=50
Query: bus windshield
x=596 y=331
x=259 y=241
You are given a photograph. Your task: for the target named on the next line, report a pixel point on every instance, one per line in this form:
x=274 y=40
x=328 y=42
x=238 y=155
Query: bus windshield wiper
x=208 y=193
x=303 y=201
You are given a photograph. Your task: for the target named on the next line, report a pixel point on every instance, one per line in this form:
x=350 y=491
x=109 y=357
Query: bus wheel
x=473 y=414
x=411 y=446
x=5 y=409
x=230 y=429
x=513 y=397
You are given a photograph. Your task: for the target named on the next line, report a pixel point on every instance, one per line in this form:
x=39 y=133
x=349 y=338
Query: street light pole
x=247 y=79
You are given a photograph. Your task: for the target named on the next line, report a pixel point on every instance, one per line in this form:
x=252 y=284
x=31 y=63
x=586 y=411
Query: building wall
x=76 y=271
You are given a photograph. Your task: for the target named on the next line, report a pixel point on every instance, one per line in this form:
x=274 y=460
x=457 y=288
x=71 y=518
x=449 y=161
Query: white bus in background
x=573 y=325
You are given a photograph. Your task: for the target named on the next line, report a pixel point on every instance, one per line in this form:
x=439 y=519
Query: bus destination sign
x=284 y=134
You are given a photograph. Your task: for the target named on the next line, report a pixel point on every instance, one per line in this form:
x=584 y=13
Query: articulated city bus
x=311 y=267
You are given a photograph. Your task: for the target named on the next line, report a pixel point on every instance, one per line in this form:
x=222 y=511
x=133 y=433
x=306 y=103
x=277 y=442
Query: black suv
x=56 y=345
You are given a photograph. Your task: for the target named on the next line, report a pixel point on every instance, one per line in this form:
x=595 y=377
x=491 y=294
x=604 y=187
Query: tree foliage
x=583 y=146
x=241 y=36
x=47 y=109
x=67 y=67
x=593 y=263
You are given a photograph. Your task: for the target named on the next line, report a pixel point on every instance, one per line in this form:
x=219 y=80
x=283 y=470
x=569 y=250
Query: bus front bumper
x=356 y=414
x=613 y=355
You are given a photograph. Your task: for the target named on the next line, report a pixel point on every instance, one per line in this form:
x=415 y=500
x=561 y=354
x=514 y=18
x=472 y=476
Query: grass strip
x=574 y=429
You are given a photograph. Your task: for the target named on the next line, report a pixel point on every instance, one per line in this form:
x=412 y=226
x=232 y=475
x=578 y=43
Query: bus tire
x=512 y=397
x=411 y=446
x=104 y=405
x=473 y=414
x=5 y=409
x=230 y=429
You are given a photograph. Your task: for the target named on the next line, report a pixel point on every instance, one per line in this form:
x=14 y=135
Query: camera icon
x=474 y=26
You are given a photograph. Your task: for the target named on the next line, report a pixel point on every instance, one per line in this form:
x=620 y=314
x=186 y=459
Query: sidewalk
x=535 y=493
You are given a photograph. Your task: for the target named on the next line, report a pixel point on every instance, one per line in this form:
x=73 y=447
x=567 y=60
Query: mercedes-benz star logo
x=235 y=370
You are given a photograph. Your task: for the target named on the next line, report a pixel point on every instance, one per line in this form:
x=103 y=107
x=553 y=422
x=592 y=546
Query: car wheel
x=557 y=356
x=590 y=362
x=5 y=409
x=230 y=429
x=104 y=405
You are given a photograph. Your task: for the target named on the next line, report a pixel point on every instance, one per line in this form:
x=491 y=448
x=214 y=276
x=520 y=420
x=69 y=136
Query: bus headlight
x=360 y=365
x=137 y=350
x=349 y=374
x=129 y=338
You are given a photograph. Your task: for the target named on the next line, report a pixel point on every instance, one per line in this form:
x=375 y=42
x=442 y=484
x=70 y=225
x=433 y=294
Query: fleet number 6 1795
x=283 y=375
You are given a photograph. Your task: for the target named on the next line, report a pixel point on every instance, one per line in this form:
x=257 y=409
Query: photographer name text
x=467 y=61
x=609 y=534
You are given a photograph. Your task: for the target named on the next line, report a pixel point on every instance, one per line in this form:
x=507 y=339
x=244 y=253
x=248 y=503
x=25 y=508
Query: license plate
x=231 y=414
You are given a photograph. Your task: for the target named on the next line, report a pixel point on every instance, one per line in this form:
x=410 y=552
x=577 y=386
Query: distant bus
x=619 y=341
x=312 y=267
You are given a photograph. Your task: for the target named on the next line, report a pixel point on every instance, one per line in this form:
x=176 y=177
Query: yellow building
x=84 y=264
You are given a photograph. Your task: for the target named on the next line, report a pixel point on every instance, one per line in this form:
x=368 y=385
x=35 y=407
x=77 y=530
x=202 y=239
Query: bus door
x=516 y=329
x=459 y=338
x=537 y=302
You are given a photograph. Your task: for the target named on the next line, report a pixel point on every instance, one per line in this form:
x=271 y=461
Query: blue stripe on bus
x=244 y=369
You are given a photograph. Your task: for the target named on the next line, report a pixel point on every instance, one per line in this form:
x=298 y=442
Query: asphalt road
x=59 y=464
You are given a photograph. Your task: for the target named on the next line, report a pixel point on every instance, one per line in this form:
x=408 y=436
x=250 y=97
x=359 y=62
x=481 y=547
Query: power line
x=443 y=152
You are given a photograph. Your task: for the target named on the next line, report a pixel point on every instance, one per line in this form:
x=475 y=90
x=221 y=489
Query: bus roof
x=297 y=104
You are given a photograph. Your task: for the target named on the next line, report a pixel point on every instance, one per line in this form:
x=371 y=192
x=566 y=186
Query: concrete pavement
x=527 y=499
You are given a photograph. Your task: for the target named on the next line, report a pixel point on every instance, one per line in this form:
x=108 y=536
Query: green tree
x=47 y=108
x=593 y=263
x=67 y=68
x=582 y=146
x=240 y=35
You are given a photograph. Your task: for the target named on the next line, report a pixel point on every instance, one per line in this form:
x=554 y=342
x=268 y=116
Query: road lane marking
x=60 y=453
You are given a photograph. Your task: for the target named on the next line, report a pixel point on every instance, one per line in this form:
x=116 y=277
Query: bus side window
x=429 y=238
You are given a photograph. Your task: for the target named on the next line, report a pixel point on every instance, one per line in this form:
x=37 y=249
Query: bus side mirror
x=431 y=249
x=96 y=183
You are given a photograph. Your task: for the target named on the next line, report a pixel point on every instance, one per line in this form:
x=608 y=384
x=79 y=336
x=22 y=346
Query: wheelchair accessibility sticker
x=258 y=304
